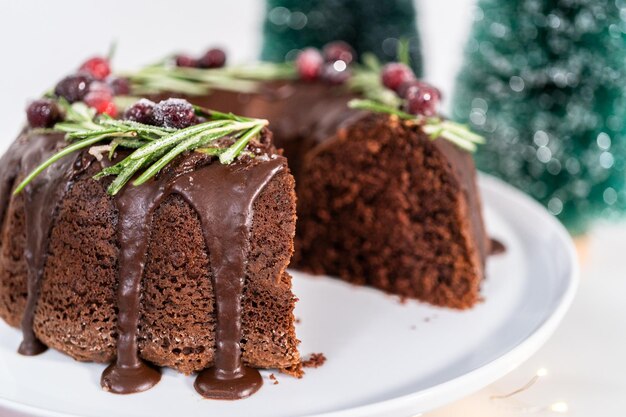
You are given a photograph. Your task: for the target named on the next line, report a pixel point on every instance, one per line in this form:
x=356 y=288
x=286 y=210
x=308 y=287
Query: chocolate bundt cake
x=187 y=270
x=186 y=267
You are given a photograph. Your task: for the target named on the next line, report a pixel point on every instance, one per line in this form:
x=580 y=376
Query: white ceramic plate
x=384 y=358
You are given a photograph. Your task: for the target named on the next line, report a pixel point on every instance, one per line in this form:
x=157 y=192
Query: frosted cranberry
x=338 y=51
x=404 y=87
x=213 y=58
x=309 y=64
x=422 y=99
x=100 y=97
x=100 y=88
x=140 y=112
x=335 y=74
x=43 y=113
x=175 y=113
x=186 y=61
x=394 y=74
x=120 y=86
x=97 y=67
x=73 y=87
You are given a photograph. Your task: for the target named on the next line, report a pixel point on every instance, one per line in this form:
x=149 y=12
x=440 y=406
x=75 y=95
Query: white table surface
x=585 y=359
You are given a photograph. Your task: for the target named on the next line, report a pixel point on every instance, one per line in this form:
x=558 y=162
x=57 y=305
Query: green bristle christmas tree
x=545 y=82
x=368 y=26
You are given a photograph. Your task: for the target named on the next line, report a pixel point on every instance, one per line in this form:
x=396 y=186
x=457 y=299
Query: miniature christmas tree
x=368 y=26
x=545 y=82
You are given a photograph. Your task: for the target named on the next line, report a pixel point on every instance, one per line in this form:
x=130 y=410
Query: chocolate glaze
x=41 y=198
x=222 y=196
x=304 y=116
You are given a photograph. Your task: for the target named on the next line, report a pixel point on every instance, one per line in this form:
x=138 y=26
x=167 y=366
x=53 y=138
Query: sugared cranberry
x=335 y=73
x=186 y=61
x=175 y=113
x=338 y=51
x=404 y=87
x=43 y=113
x=140 y=112
x=120 y=86
x=394 y=74
x=101 y=88
x=422 y=99
x=73 y=87
x=213 y=58
x=98 y=67
x=309 y=64
x=100 y=97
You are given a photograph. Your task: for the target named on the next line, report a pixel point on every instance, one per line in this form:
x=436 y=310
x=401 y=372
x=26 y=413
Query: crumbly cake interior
x=385 y=194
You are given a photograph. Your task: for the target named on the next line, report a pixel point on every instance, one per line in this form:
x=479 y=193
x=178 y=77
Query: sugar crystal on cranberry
x=140 y=112
x=175 y=113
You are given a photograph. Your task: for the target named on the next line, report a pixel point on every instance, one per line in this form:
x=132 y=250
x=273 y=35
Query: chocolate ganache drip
x=41 y=199
x=223 y=197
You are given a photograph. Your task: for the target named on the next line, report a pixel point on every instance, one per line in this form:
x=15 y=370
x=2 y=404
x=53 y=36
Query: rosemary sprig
x=153 y=147
x=435 y=127
x=196 y=81
x=366 y=82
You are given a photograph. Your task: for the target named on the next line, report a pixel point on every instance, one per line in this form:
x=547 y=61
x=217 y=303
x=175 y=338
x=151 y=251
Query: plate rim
x=469 y=382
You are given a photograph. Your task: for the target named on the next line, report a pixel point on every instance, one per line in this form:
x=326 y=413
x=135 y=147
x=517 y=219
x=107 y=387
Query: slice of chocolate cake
x=403 y=206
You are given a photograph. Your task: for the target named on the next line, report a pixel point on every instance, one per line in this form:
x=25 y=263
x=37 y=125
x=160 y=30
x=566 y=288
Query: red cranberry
x=404 y=87
x=175 y=113
x=140 y=112
x=213 y=58
x=73 y=87
x=309 y=64
x=394 y=74
x=100 y=97
x=43 y=113
x=186 y=61
x=338 y=51
x=120 y=86
x=98 y=67
x=422 y=99
x=100 y=88
x=335 y=73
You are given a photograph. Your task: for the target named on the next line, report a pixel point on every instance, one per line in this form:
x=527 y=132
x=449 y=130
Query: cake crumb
x=413 y=327
x=426 y=319
x=298 y=320
x=273 y=378
x=315 y=361
x=295 y=371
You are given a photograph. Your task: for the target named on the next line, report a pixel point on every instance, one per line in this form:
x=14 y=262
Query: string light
x=559 y=407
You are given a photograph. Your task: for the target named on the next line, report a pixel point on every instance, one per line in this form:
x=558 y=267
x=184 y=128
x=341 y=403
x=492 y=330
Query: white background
x=42 y=40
